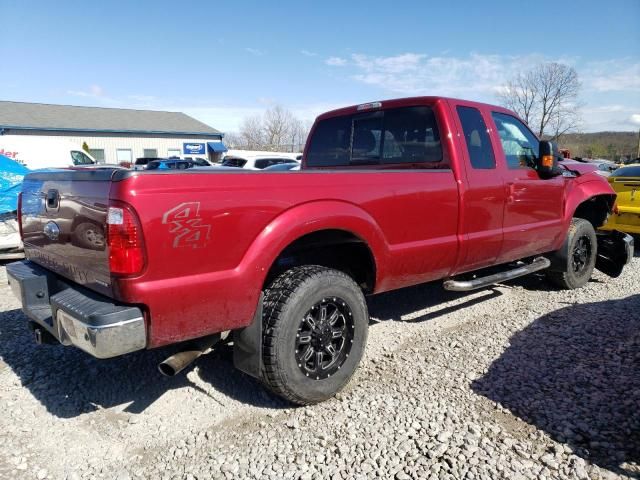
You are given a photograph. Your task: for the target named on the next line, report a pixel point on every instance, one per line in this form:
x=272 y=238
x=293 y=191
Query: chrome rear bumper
x=76 y=316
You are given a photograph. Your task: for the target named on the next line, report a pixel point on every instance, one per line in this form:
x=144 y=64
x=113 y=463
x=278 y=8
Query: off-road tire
x=287 y=301
x=567 y=277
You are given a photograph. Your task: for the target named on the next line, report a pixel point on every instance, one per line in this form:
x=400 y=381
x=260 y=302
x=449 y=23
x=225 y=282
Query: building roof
x=42 y=116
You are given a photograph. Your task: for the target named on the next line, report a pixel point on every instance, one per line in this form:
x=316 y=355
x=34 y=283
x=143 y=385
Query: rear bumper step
x=465 y=285
x=75 y=316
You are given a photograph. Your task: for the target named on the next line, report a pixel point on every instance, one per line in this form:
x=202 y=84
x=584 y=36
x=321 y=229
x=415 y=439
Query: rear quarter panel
x=212 y=237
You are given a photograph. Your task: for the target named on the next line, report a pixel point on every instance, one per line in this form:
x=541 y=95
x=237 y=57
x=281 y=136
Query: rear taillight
x=19 y=215
x=124 y=240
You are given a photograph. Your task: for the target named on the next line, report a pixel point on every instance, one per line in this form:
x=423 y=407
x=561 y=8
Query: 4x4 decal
x=186 y=227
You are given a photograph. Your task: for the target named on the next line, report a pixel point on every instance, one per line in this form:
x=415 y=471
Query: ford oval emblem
x=52 y=231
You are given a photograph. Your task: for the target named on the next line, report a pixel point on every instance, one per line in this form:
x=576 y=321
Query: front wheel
x=581 y=247
x=315 y=323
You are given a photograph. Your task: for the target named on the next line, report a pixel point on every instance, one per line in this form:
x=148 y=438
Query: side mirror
x=546 y=163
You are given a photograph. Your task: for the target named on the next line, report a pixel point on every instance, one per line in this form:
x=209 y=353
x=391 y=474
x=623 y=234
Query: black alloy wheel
x=324 y=338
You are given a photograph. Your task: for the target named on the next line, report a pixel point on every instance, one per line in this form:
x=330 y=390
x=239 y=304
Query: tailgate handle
x=53 y=198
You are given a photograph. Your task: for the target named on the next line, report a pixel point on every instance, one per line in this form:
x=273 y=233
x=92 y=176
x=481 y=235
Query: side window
x=520 y=146
x=330 y=143
x=262 y=163
x=367 y=140
x=477 y=138
x=79 y=158
x=411 y=136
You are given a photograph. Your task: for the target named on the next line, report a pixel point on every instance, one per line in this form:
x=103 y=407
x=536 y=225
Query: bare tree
x=546 y=97
x=252 y=133
x=278 y=126
x=277 y=130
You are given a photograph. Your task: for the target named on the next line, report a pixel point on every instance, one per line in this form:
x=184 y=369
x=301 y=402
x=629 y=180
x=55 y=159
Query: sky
x=223 y=61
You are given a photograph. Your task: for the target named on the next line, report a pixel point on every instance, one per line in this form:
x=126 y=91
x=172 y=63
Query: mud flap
x=615 y=250
x=247 y=345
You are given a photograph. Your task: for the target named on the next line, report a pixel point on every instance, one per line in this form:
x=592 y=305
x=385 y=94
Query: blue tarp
x=11 y=175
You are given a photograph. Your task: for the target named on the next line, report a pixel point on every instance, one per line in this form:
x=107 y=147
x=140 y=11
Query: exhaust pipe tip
x=181 y=360
x=167 y=370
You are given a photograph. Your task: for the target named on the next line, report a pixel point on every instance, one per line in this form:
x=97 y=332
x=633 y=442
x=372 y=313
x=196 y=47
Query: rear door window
x=477 y=138
x=407 y=135
x=411 y=136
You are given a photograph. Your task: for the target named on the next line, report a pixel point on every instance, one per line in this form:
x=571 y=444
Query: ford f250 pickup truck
x=390 y=194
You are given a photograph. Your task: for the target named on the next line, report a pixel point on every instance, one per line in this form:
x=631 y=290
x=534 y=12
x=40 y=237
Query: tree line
x=278 y=129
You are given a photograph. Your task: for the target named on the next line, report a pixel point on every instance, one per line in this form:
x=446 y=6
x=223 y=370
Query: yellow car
x=626 y=216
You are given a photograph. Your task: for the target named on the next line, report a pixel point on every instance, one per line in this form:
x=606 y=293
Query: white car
x=35 y=153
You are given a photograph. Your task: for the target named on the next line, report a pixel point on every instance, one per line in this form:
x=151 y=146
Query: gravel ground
x=520 y=381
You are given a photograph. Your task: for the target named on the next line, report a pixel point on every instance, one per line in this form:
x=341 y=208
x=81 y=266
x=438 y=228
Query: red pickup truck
x=390 y=194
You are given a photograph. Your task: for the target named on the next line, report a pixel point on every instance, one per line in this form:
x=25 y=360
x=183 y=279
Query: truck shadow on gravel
x=395 y=305
x=575 y=373
x=69 y=382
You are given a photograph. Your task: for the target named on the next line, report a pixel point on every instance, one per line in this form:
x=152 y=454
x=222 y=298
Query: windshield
x=80 y=158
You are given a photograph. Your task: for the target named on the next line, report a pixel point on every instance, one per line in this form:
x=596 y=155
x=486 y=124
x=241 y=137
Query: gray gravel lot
x=520 y=381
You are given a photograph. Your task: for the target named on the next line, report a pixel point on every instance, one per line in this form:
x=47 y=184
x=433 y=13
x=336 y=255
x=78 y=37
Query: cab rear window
x=406 y=137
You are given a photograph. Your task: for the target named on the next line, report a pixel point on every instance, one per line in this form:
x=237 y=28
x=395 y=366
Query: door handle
x=511 y=188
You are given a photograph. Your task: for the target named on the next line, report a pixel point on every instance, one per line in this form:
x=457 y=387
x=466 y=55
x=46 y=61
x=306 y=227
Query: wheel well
x=336 y=249
x=595 y=209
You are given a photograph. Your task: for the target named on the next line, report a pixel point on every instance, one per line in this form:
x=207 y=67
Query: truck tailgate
x=64 y=216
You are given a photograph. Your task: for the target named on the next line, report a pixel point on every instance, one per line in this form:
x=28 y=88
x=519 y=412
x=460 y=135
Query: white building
x=115 y=135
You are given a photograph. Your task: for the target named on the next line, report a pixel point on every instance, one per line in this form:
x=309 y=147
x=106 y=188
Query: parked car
x=170 y=164
x=36 y=153
x=256 y=162
x=198 y=161
x=142 y=162
x=283 y=167
x=604 y=167
x=626 y=214
x=285 y=261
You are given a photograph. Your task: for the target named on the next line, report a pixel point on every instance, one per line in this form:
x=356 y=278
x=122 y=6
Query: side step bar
x=539 y=263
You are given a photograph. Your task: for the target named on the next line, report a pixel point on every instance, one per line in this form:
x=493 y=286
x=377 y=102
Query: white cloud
x=307 y=53
x=336 y=61
x=92 y=91
x=610 y=117
x=254 y=51
x=421 y=74
x=616 y=75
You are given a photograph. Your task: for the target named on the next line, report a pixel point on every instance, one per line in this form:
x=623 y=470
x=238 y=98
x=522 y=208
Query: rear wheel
x=581 y=247
x=315 y=322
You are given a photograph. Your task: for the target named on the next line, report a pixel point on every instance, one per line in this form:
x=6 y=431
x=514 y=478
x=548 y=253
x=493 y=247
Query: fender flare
x=285 y=229
x=307 y=218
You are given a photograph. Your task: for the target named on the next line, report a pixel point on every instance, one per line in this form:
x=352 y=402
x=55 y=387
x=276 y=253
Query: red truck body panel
x=211 y=237
x=192 y=288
